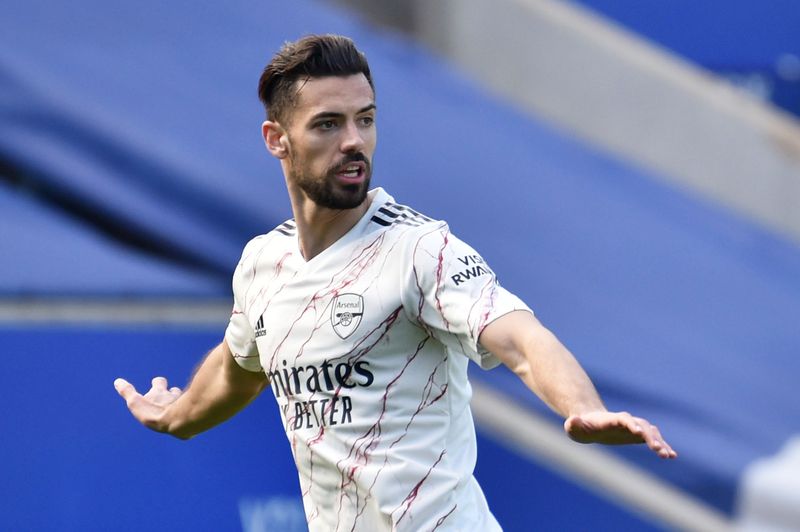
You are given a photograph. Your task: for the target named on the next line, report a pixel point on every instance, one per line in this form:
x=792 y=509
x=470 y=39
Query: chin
x=353 y=195
x=351 y=201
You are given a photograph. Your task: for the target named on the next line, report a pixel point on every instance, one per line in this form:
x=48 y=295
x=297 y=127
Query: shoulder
x=398 y=216
x=409 y=232
x=262 y=247
x=283 y=233
x=401 y=223
x=418 y=240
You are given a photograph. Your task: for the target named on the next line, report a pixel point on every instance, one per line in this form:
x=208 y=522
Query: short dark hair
x=310 y=57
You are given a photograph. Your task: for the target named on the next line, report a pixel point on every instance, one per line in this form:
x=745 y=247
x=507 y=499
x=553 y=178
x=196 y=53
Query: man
x=361 y=315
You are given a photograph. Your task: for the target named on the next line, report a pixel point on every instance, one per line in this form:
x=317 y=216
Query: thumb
x=573 y=423
x=125 y=389
x=577 y=429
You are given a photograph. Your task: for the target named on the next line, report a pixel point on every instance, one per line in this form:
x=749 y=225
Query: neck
x=319 y=227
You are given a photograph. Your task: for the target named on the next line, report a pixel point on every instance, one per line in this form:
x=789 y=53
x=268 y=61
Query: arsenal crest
x=346 y=312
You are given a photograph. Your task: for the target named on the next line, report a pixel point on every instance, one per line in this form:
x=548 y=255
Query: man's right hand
x=218 y=389
x=151 y=407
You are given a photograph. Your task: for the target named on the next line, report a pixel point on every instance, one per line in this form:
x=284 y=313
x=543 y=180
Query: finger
x=159 y=383
x=175 y=391
x=649 y=434
x=666 y=449
x=656 y=442
x=125 y=389
x=634 y=425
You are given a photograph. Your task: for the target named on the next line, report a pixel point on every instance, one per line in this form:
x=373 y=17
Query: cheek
x=308 y=153
x=370 y=141
x=319 y=145
x=317 y=162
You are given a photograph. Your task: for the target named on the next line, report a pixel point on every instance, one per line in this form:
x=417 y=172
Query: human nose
x=352 y=140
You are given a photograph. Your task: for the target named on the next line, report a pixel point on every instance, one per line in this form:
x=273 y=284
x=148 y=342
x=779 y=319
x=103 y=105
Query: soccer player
x=361 y=315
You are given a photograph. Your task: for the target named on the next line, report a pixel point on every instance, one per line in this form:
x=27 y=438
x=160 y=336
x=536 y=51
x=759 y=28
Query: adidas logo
x=260 y=331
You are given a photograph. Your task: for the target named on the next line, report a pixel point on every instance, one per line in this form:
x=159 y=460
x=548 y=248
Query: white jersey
x=366 y=347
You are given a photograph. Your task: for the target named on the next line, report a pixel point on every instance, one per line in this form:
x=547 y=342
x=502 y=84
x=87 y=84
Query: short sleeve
x=453 y=293
x=239 y=335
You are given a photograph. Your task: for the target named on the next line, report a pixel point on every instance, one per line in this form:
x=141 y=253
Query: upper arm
x=543 y=363
x=239 y=378
x=511 y=336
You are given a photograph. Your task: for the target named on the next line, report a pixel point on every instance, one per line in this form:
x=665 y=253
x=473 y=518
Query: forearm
x=547 y=367
x=218 y=390
x=542 y=362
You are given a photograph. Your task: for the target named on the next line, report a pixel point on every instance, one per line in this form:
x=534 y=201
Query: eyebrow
x=331 y=114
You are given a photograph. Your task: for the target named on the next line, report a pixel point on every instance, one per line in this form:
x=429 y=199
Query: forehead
x=332 y=94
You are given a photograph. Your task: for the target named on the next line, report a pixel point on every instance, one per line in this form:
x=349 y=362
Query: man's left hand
x=617 y=428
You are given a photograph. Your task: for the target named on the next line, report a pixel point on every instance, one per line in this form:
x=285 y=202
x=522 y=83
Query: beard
x=325 y=191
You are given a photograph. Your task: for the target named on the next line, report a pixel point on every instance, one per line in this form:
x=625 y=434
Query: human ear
x=275 y=139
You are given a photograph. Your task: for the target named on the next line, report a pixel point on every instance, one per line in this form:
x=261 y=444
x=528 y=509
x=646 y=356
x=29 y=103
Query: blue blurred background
x=132 y=173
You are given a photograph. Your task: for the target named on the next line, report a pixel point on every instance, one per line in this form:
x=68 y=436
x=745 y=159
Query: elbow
x=519 y=364
x=522 y=354
x=523 y=371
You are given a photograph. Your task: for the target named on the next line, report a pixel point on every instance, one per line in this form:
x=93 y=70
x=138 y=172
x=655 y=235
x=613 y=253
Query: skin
x=333 y=120
x=332 y=128
x=542 y=362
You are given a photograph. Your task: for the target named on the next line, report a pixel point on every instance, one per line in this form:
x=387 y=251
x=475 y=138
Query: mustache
x=350 y=158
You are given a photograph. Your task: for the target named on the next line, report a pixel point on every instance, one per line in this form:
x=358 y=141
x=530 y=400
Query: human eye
x=326 y=125
x=367 y=120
